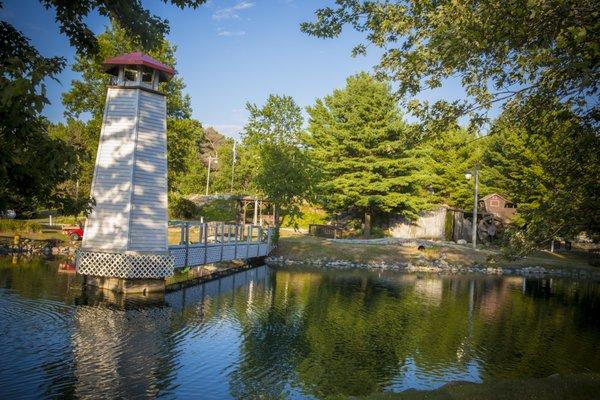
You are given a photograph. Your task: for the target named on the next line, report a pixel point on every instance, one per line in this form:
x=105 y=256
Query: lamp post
x=468 y=174
x=210 y=160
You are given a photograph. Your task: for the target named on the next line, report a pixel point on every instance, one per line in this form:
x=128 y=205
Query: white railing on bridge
x=208 y=243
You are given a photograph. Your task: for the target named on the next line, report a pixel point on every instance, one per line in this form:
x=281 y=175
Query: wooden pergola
x=262 y=211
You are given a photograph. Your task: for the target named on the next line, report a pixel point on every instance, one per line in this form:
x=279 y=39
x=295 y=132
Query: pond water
x=284 y=333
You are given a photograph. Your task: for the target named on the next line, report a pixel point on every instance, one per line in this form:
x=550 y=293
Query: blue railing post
x=236 y=242
x=260 y=240
x=222 y=238
x=187 y=243
x=205 y=230
x=248 y=240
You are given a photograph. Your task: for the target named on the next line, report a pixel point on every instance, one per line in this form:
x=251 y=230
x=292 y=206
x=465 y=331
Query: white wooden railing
x=207 y=243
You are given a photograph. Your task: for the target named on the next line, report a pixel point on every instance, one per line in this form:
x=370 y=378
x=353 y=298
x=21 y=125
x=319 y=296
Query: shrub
x=515 y=244
x=218 y=210
x=378 y=232
x=19 y=226
x=182 y=208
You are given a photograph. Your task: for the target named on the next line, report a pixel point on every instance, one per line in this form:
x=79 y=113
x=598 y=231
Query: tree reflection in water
x=352 y=334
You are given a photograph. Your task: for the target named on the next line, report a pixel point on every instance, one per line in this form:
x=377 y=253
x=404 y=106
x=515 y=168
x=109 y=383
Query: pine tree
x=449 y=154
x=366 y=153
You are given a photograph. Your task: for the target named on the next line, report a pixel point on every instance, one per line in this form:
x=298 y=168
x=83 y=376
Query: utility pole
x=474 y=172
x=233 y=165
x=210 y=159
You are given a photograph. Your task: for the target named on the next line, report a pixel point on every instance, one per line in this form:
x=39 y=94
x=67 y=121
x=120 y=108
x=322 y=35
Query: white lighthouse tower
x=124 y=245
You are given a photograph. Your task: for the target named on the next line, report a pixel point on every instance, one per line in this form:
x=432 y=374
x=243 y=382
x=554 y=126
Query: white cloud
x=224 y=32
x=232 y=12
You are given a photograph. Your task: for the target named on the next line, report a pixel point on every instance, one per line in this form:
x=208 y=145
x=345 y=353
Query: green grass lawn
x=38 y=236
x=34 y=234
x=298 y=247
x=35 y=229
x=310 y=215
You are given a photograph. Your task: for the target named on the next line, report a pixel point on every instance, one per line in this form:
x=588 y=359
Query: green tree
x=274 y=159
x=31 y=162
x=366 y=153
x=139 y=23
x=549 y=164
x=72 y=196
x=502 y=52
x=447 y=156
x=221 y=180
x=186 y=172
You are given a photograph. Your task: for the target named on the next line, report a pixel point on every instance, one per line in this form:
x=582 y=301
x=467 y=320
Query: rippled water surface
x=267 y=333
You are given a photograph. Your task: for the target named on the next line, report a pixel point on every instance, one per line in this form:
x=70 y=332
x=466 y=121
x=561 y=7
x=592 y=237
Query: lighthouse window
x=147 y=76
x=131 y=74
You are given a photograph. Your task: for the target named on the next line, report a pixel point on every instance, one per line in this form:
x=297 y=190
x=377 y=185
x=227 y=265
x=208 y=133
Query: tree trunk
x=367 y=225
x=276 y=223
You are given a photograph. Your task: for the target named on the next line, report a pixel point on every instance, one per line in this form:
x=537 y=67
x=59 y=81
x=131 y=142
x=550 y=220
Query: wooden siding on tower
x=130 y=178
x=148 y=224
x=107 y=226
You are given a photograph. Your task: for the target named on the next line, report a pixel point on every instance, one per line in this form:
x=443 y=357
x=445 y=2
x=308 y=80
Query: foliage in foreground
x=32 y=163
x=503 y=53
x=139 y=23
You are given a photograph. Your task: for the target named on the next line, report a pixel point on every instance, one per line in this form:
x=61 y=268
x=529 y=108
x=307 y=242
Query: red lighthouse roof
x=138 y=58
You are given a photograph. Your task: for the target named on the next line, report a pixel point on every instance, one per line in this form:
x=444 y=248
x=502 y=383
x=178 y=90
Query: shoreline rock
x=437 y=266
x=36 y=247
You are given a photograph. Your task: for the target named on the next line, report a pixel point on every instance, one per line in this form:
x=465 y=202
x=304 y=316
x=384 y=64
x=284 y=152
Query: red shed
x=499 y=206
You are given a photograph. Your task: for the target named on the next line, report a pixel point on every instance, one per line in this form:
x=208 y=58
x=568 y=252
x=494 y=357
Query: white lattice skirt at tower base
x=124 y=265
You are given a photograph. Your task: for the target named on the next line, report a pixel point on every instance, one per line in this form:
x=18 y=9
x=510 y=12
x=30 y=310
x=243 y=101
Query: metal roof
x=138 y=58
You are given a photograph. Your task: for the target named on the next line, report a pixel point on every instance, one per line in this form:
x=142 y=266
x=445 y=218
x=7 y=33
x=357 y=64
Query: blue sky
x=229 y=52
